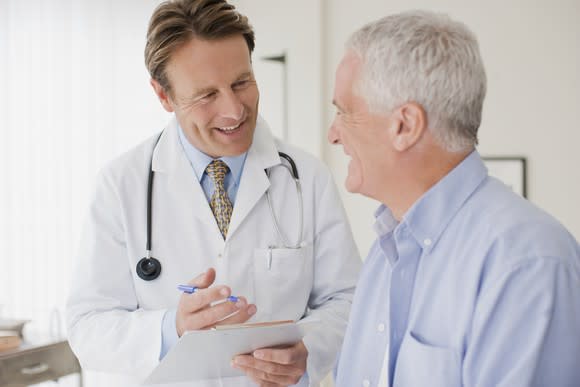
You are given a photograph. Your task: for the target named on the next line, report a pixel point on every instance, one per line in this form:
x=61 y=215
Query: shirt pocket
x=422 y=364
x=283 y=282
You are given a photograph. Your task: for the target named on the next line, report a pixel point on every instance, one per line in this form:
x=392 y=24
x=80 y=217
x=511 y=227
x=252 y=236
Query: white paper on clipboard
x=207 y=354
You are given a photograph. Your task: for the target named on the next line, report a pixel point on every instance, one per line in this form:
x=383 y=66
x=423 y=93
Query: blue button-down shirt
x=474 y=287
x=199 y=162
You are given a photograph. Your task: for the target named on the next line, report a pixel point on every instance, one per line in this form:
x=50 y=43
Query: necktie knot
x=217 y=171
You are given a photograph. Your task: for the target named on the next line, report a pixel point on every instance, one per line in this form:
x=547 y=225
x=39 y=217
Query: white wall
x=74 y=93
x=292 y=27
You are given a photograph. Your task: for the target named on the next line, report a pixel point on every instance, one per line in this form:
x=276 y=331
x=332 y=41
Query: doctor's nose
x=231 y=106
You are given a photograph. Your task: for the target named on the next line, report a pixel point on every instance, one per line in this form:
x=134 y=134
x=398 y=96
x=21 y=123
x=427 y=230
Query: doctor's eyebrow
x=246 y=75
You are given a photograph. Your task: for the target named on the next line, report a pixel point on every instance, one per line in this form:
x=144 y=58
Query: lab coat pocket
x=423 y=364
x=283 y=280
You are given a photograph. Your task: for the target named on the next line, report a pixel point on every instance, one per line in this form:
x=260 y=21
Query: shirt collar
x=430 y=215
x=199 y=160
x=385 y=222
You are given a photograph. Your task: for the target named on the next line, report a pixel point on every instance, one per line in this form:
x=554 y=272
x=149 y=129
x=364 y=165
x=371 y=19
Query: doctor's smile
x=231 y=129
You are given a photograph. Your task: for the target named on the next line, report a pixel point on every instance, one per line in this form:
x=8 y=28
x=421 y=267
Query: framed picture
x=510 y=170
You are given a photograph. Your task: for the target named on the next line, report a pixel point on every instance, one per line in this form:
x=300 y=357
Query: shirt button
x=219 y=256
x=381 y=327
x=427 y=242
x=366 y=383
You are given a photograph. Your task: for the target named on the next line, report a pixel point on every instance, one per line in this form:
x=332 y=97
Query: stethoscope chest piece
x=148 y=268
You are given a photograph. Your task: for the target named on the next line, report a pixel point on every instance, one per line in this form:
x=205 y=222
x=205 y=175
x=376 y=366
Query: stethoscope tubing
x=149 y=268
x=283 y=239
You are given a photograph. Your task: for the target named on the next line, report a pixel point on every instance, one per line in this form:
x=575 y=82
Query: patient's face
x=362 y=133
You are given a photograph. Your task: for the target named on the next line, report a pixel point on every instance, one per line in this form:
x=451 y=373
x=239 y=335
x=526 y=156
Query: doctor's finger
x=204 y=318
x=204 y=280
x=202 y=298
x=267 y=372
x=243 y=315
x=212 y=315
x=293 y=354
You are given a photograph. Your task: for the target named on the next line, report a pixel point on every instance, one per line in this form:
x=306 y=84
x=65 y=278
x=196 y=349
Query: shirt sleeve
x=168 y=332
x=526 y=327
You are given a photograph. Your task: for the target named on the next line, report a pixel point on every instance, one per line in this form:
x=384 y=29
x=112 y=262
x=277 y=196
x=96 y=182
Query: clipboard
x=207 y=354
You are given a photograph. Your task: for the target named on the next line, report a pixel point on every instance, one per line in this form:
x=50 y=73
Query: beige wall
x=531 y=51
x=291 y=27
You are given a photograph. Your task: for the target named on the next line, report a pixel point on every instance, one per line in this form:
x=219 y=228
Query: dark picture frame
x=511 y=170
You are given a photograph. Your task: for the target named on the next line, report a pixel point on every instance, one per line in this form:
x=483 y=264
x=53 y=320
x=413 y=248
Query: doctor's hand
x=274 y=367
x=197 y=310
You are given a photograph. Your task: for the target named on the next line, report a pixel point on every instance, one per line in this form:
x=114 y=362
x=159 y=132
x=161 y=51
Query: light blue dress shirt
x=199 y=162
x=474 y=287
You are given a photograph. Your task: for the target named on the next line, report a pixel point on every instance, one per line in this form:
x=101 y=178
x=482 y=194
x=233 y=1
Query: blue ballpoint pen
x=192 y=289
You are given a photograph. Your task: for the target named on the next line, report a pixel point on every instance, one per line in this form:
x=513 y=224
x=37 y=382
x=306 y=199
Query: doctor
x=226 y=215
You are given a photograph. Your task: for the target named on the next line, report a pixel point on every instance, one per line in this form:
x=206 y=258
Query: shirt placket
x=401 y=292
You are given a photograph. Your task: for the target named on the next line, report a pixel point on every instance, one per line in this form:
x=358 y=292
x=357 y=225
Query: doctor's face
x=213 y=94
x=363 y=135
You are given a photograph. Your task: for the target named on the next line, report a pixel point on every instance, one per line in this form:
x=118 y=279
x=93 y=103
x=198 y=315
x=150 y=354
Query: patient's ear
x=412 y=124
x=162 y=95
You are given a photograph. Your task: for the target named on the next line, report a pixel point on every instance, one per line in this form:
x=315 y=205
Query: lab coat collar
x=254 y=183
x=169 y=154
x=169 y=158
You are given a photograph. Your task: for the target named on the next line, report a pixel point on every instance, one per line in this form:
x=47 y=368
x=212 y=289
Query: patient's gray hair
x=429 y=59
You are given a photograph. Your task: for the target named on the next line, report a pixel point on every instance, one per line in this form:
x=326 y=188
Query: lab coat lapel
x=254 y=182
x=169 y=158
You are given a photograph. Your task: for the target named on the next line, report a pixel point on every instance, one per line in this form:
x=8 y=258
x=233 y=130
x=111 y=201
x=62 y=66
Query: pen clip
x=269 y=258
x=187 y=289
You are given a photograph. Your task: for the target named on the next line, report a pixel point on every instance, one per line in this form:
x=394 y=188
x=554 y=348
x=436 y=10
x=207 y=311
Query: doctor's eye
x=241 y=84
x=207 y=97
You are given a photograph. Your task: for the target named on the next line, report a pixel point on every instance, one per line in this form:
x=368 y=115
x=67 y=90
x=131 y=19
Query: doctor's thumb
x=205 y=279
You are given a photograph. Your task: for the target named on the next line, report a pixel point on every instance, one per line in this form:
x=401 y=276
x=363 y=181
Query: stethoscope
x=149 y=268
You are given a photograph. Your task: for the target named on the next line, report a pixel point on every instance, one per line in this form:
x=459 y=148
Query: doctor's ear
x=412 y=124
x=162 y=95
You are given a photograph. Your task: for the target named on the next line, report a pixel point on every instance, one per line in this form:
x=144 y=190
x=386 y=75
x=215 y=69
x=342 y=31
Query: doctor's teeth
x=230 y=128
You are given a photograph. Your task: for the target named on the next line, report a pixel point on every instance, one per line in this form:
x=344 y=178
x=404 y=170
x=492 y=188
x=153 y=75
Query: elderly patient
x=467 y=283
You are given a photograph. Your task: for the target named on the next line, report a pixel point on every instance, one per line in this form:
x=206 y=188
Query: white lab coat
x=114 y=317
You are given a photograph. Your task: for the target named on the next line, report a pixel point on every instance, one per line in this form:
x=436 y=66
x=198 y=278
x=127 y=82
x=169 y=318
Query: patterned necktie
x=220 y=202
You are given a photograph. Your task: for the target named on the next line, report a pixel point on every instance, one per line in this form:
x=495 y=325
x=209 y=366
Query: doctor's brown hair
x=176 y=22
